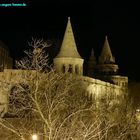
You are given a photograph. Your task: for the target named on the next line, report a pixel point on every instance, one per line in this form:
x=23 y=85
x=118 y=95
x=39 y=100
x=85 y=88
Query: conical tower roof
x=91 y=64
x=68 y=48
x=92 y=56
x=106 y=55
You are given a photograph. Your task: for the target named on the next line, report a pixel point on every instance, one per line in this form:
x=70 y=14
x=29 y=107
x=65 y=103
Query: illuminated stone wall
x=8 y=79
x=95 y=88
x=98 y=90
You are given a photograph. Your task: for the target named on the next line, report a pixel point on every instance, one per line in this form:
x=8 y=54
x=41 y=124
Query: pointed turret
x=68 y=48
x=106 y=64
x=68 y=59
x=91 y=64
x=106 y=55
x=107 y=70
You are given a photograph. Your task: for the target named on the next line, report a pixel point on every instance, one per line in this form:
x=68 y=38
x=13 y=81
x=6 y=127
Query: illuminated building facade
x=102 y=79
x=103 y=75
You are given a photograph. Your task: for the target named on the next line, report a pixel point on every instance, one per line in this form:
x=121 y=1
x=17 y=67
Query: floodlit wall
x=8 y=79
x=95 y=88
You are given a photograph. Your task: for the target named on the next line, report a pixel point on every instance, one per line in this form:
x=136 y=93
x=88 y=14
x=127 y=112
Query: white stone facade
x=69 y=60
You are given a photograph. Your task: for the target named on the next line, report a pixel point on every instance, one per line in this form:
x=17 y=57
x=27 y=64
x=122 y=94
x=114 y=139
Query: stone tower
x=106 y=63
x=91 y=64
x=68 y=59
x=107 y=69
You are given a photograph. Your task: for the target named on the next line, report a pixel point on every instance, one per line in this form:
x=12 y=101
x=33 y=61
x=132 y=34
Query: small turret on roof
x=92 y=57
x=91 y=64
x=106 y=54
x=68 y=48
x=106 y=65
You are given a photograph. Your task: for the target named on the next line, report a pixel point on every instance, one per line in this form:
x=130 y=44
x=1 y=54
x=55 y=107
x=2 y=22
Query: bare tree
x=45 y=102
x=54 y=106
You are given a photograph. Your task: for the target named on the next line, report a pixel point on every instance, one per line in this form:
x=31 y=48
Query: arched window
x=63 y=69
x=70 y=68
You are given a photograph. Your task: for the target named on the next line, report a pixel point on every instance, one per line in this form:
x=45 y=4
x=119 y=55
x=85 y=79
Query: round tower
x=107 y=69
x=68 y=59
x=91 y=64
x=106 y=64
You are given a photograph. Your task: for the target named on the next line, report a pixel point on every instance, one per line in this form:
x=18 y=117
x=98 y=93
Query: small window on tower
x=63 y=69
x=70 y=69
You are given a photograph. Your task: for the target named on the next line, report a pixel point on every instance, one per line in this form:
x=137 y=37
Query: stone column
x=3 y=103
x=73 y=69
x=66 y=68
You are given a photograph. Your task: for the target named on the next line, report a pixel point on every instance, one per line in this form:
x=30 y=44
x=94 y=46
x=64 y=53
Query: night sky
x=90 y=22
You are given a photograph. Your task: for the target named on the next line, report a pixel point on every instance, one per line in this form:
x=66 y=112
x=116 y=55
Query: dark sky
x=90 y=21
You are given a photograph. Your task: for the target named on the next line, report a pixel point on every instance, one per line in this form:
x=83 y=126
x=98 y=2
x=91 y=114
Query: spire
x=68 y=48
x=106 y=55
x=92 y=58
x=91 y=64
